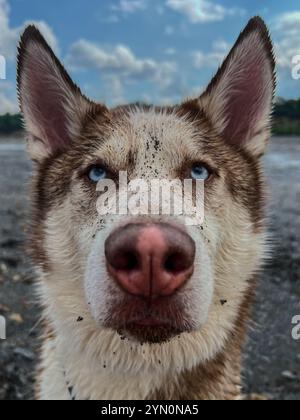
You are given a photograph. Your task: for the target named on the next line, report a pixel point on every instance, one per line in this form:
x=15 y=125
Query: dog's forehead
x=153 y=124
x=150 y=135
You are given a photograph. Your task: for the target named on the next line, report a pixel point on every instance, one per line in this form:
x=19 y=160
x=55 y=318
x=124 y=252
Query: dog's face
x=148 y=278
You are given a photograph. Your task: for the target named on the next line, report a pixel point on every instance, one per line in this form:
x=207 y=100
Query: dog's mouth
x=155 y=323
x=150 y=333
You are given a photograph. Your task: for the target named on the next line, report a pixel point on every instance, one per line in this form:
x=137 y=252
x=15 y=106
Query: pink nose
x=150 y=260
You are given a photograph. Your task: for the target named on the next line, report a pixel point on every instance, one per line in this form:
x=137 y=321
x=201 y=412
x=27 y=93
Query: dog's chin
x=151 y=334
x=149 y=330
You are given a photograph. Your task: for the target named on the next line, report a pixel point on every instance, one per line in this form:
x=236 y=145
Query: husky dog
x=146 y=307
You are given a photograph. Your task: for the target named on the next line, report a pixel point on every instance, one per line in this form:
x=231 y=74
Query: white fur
x=93 y=360
x=223 y=269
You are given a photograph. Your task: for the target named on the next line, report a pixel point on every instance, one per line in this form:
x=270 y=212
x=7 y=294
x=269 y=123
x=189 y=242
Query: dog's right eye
x=97 y=173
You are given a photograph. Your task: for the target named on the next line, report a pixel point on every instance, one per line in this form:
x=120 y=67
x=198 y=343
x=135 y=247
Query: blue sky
x=150 y=50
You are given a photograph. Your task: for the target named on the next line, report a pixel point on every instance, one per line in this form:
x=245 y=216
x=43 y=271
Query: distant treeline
x=286 y=119
x=10 y=124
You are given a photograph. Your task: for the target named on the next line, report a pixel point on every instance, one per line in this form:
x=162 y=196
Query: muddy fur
x=227 y=129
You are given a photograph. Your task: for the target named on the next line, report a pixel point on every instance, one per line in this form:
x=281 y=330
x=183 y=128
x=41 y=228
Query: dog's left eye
x=200 y=172
x=97 y=173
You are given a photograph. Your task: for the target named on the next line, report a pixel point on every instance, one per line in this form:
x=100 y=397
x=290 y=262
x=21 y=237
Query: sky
x=155 y=51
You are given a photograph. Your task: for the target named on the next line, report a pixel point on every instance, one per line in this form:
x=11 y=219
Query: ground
x=272 y=357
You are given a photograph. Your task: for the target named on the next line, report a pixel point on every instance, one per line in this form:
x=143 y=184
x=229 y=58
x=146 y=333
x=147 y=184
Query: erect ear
x=239 y=99
x=52 y=105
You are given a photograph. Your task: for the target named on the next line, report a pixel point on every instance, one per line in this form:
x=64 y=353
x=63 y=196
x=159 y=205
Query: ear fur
x=239 y=99
x=53 y=107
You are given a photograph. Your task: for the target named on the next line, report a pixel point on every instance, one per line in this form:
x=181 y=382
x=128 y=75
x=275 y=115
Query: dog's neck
x=218 y=379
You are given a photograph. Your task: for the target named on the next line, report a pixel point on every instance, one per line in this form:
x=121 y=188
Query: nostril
x=176 y=263
x=150 y=260
x=126 y=261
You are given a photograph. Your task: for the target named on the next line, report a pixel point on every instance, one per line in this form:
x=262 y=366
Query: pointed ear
x=52 y=105
x=239 y=99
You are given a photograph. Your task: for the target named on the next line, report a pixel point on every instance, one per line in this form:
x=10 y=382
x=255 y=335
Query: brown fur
x=67 y=233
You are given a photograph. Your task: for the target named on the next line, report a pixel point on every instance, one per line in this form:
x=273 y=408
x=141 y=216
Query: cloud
x=129 y=6
x=213 y=58
x=9 y=39
x=10 y=35
x=202 y=11
x=87 y=55
x=120 y=61
x=120 y=67
x=8 y=43
x=286 y=31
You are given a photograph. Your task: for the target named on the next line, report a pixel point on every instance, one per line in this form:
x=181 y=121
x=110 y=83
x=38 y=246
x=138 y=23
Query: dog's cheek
x=238 y=260
x=96 y=282
x=199 y=291
x=84 y=218
x=59 y=243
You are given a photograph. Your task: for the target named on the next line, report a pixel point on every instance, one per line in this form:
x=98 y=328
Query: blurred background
x=154 y=51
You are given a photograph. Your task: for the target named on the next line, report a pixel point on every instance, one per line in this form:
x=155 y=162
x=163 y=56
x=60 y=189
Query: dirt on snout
x=272 y=357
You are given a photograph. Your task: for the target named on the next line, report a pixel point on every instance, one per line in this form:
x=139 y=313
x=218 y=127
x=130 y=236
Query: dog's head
x=153 y=277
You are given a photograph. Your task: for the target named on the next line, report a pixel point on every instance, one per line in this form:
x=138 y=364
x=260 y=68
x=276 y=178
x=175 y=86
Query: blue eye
x=200 y=172
x=97 y=173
